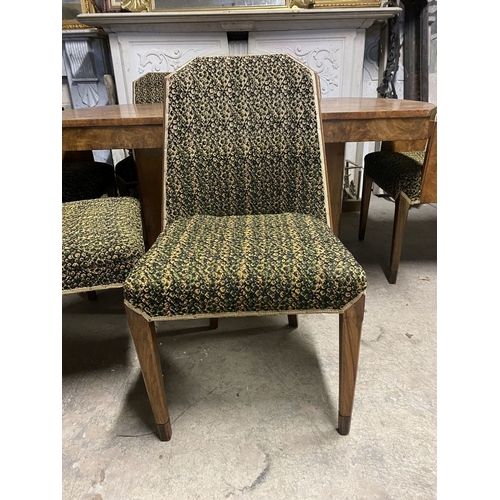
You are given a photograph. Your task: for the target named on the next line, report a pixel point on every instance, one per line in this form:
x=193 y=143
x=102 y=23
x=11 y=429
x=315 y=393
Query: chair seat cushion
x=396 y=172
x=101 y=241
x=229 y=265
x=84 y=180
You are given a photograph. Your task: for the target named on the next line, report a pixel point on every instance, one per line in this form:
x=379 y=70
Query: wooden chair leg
x=400 y=218
x=350 y=323
x=365 y=205
x=92 y=295
x=293 y=321
x=144 y=336
x=214 y=323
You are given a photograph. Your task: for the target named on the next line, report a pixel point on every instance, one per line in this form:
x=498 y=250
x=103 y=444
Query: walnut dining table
x=140 y=127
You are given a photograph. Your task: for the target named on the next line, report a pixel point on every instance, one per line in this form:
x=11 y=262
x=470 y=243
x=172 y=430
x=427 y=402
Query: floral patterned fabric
x=149 y=88
x=246 y=227
x=396 y=172
x=102 y=239
x=243 y=137
x=205 y=265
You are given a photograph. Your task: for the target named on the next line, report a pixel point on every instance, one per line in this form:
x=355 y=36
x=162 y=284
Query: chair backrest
x=429 y=169
x=149 y=88
x=243 y=136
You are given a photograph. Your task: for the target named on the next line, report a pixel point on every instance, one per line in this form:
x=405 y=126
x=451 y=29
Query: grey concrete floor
x=253 y=404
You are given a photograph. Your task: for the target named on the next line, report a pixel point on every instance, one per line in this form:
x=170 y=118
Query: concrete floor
x=253 y=404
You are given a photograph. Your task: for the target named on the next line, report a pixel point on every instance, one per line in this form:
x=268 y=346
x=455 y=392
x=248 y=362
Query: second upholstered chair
x=147 y=89
x=102 y=239
x=245 y=228
x=409 y=177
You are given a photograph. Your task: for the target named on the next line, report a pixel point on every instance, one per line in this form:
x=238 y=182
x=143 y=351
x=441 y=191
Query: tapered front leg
x=293 y=321
x=350 y=324
x=144 y=336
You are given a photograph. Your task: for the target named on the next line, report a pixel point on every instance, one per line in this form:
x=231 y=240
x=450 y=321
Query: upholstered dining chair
x=147 y=89
x=245 y=220
x=410 y=178
x=102 y=239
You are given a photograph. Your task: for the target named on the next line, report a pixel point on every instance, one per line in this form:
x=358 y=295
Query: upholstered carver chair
x=87 y=179
x=147 y=89
x=102 y=239
x=409 y=177
x=245 y=228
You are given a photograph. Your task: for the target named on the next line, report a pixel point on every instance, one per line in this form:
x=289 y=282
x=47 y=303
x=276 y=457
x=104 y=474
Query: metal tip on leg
x=344 y=425
x=164 y=431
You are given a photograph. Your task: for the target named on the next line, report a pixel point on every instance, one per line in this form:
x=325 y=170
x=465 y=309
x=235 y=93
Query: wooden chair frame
x=144 y=336
x=402 y=202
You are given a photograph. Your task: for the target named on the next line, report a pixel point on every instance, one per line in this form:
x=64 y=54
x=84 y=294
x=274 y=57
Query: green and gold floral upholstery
x=205 y=265
x=102 y=239
x=397 y=172
x=149 y=88
x=85 y=180
x=246 y=220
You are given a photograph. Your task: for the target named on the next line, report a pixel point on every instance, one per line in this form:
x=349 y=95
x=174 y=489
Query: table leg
x=150 y=175
x=335 y=153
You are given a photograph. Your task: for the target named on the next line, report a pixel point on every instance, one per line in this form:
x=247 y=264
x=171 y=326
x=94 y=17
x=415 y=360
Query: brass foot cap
x=344 y=425
x=164 y=431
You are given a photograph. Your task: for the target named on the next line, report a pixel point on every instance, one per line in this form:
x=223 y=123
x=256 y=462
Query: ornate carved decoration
x=388 y=87
x=321 y=60
x=161 y=61
x=89 y=94
x=80 y=64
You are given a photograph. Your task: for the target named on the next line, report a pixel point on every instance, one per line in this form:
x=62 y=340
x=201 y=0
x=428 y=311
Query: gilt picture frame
x=71 y=8
x=176 y=5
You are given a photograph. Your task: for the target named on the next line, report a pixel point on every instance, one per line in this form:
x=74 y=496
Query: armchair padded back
x=235 y=122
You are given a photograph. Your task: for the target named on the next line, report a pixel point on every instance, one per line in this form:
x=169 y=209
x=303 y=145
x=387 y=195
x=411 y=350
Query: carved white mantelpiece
x=330 y=41
x=323 y=51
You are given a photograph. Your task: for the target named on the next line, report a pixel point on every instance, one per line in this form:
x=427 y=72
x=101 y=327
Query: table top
x=332 y=108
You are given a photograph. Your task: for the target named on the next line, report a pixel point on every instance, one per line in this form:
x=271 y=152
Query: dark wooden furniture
x=426 y=193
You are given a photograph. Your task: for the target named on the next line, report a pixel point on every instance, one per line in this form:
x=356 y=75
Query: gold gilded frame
x=332 y=4
x=149 y=5
x=88 y=7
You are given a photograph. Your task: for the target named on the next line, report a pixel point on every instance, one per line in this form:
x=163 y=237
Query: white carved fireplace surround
x=330 y=41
